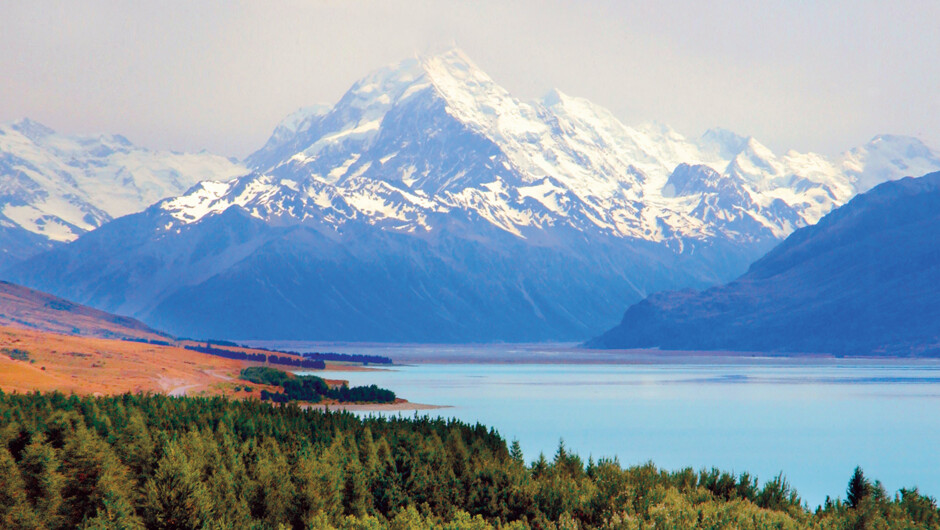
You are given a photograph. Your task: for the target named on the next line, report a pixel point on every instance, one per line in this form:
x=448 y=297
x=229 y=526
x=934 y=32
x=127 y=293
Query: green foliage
x=858 y=490
x=264 y=375
x=15 y=353
x=360 y=394
x=137 y=461
x=311 y=388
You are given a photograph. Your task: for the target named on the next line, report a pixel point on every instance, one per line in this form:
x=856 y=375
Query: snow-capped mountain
x=431 y=204
x=865 y=280
x=436 y=135
x=55 y=187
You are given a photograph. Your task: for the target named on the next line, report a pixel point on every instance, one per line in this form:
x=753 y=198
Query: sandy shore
x=332 y=366
x=400 y=404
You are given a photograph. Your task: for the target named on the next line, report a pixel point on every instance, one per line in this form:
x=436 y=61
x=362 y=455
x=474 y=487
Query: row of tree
x=339 y=357
x=152 y=461
x=155 y=342
x=311 y=388
x=259 y=357
x=316 y=356
x=347 y=357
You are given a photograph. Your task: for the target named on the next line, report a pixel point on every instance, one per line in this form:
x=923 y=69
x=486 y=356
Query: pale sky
x=188 y=75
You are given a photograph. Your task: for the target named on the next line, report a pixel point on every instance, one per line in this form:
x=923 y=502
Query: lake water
x=815 y=420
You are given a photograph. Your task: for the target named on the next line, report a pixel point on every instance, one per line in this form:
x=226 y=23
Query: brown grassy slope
x=25 y=308
x=85 y=365
x=76 y=349
x=89 y=365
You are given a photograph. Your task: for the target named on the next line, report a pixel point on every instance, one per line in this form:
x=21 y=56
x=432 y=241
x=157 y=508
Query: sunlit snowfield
x=814 y=419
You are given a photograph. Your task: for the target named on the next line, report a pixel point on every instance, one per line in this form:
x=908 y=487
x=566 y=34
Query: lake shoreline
x=403 y=354
x=816 y=419
x=397 y=406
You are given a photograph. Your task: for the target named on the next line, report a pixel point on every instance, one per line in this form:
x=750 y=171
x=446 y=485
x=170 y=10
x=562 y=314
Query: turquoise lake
x=814 y=421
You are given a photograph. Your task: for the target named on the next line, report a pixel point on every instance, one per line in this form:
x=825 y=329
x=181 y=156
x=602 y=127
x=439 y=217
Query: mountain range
x=865 y=280
x=56 y=187
x=429 y=204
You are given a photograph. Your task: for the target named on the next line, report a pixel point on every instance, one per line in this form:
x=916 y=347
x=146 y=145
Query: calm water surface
x=815 y=421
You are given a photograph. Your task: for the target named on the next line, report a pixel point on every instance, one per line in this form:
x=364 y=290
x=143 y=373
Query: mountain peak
x=31 y=129
x=448 y=67
x=724 y=142
x=886 y=157
x=555 y=97
x=910 y=146
x=452 y=73
x=451 y=55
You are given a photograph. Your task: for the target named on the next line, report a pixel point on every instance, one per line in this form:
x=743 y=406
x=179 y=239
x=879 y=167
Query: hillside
x=34 y=360
x=27 y=308
x=431 y=205
x=85 y=365
x=865 y=280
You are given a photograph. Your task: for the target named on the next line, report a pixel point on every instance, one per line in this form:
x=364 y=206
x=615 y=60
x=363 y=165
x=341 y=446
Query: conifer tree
x=515 y=452
x=540 y=466
x=457 y=454
x=43 y=481
x=93 y=473
x=318 y=489
x=367 y=454
x=175 y=497
x=15 y=510
x=858 y=489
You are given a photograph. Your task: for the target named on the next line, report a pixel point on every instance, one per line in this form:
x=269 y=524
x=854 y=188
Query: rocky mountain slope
x=429 y=204
x=865 y=280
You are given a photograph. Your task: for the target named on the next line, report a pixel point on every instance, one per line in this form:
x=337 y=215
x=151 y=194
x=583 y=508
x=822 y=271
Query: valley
x=449 y=298
x=429 y=204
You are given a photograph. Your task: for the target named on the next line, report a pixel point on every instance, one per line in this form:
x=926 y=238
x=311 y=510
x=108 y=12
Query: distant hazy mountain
x=429 y=204
x=55 y=187
x=864 y=280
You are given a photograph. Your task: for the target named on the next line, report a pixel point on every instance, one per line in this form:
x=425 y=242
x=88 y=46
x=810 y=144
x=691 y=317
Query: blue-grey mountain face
x=429 y=204
x=233 y=275
x=864 y=280
x=17 y=243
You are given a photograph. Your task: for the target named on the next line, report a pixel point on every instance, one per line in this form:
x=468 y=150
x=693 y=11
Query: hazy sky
x=190 y=75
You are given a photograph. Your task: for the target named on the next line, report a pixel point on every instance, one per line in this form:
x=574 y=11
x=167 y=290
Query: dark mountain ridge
x=865 y=280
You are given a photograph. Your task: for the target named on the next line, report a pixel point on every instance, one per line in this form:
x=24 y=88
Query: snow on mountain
x=429 y=203
x=886 y=156
x=864 y=280
x=60 y=186
x=436 y=134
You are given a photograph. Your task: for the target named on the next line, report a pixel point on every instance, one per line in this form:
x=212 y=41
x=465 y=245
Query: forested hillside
x=153 y=461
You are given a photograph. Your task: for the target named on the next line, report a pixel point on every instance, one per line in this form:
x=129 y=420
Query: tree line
x=152 y=461
x=317 y=356
x=348 y=357
x=155 y=342
x=259 y=357
x=339 y=357
x=311 y=388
